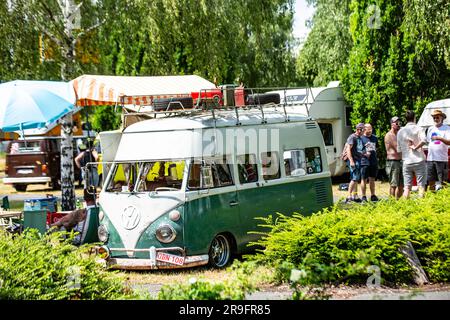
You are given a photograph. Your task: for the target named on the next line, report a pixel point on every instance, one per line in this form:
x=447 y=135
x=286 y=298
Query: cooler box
x=53 y=217
x=36 y=219
x=48 y=204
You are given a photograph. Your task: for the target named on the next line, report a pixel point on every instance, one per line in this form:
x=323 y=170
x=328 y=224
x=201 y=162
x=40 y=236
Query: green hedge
x=338 y=245
x=45 y=267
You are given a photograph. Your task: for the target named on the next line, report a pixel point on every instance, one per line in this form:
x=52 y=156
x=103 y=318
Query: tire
x=175 y=104
x=20 y=187
x=220 y=252
x=263 y=98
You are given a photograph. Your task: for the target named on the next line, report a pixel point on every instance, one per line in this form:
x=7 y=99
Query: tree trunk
x=67 y=172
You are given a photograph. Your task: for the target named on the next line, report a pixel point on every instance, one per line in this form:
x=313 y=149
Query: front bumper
x=152 y=263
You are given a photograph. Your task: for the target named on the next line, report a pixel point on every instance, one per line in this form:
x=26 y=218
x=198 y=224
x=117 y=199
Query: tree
x=61 y=22
x=397 y=61
x=325 y=53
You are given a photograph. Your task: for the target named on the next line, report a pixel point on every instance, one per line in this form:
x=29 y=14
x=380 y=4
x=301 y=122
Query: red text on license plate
x=170 y=258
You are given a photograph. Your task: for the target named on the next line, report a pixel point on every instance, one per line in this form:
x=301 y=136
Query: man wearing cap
x=438 y=137
x=394 y=160
x=410 y=140
x=355 y=152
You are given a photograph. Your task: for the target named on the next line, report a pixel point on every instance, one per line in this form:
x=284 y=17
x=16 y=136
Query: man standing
x=394 y=160
x=410 y=140
x=370 y=171
x=355 y=151
x=437 y=158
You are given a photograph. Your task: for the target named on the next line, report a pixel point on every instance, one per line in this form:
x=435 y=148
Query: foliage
x=338 y=246
x=200 y=289
x=398 y=60
x=325 y=52
x=46 y=267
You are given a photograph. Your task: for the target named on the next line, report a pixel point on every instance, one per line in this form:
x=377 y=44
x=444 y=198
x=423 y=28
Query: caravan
x=186 y=190
x=327 y=106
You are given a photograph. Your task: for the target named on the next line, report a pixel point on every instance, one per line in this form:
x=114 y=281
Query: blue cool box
x=49 y=204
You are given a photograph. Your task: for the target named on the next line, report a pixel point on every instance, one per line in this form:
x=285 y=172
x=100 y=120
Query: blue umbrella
x=33 y=104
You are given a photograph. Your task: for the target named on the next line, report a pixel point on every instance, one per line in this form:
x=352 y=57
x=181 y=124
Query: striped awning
x=93 y=90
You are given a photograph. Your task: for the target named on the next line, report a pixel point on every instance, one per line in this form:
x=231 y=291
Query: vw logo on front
x=130 y=217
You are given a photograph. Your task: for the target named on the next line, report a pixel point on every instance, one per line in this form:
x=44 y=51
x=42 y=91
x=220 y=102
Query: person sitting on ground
x=78 y=220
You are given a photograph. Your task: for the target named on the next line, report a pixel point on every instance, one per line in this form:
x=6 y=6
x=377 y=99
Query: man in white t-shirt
x=437 y=158
x=410 y=140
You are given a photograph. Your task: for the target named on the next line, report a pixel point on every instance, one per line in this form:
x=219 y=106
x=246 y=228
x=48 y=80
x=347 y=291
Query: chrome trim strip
x=27 y=180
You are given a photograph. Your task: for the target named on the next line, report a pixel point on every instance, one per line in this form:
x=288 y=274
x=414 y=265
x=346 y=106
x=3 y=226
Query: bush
x=340 y=245
x=45 y=267
x=200 y=289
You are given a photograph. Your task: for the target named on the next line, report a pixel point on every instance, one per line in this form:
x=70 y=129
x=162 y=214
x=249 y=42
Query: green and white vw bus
x=185 y=191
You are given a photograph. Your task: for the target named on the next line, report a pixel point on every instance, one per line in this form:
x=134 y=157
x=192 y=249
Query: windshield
x=146 y=176
x=25 y=147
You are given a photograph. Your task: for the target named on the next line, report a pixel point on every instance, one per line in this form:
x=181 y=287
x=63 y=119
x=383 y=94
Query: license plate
x=170 y=258
x=25 y=171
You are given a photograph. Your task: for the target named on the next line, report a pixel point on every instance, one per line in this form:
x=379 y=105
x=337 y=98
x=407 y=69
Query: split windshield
x=146 y=176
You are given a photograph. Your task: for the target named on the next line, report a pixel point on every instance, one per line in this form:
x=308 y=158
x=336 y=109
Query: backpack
x=344 y=155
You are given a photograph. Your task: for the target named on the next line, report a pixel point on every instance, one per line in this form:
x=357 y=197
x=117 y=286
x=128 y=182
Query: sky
x=302 y=13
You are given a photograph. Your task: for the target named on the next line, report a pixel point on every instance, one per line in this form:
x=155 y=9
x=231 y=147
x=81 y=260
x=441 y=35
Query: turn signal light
x=44 y=168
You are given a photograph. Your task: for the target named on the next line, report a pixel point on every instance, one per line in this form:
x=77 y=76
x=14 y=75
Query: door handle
x=233 y=203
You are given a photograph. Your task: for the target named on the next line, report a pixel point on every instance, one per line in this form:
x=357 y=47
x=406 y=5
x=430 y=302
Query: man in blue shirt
x=369 y=171
x=355 y=150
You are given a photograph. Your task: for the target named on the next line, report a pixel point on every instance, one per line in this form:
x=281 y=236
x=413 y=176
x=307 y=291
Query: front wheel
x=220 y=252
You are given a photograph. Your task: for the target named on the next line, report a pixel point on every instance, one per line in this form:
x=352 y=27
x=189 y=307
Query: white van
x=327 y=106
x=186 y=190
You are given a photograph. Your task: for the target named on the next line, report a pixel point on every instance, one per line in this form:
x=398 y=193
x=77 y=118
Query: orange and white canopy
x=92 y=90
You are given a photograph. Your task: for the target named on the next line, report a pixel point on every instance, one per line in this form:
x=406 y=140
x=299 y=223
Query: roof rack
x=225 y=98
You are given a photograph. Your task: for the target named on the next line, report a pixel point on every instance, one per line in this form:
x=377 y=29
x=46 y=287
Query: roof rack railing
x=212 y=100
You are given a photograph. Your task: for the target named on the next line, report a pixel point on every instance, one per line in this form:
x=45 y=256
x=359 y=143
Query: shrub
x=338 y=245
x=200 y=289
x=45 y=267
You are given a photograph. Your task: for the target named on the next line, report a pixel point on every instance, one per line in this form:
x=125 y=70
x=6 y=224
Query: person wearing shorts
x=355 y=150
x=437 y=158
x=394 y=168
x=410 y=140
x=369 y=172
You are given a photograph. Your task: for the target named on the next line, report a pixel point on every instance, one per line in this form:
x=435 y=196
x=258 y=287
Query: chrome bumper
x=27 y=180
x=152 y=263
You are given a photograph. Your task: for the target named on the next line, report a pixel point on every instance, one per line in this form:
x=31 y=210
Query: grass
x=262 y=276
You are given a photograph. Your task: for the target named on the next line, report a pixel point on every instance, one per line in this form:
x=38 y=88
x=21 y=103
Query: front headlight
x=103 y=233
x=165 y=233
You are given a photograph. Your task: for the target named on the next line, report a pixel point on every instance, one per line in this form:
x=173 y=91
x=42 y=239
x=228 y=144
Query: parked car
x=35 y=161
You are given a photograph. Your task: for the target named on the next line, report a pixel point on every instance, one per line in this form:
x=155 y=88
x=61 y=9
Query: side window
x=270 y=165
x=212 y=173
x=294 y=162
x=313 y=160
x=327 y=133
x=247 y=168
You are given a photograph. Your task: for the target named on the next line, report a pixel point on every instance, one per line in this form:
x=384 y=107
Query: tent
x=92 y=90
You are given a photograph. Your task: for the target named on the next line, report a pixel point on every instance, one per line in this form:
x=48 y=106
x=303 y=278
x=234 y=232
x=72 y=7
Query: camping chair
x=5 y=221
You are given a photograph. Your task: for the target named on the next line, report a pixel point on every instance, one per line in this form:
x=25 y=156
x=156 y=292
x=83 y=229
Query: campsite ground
x=152 y=281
